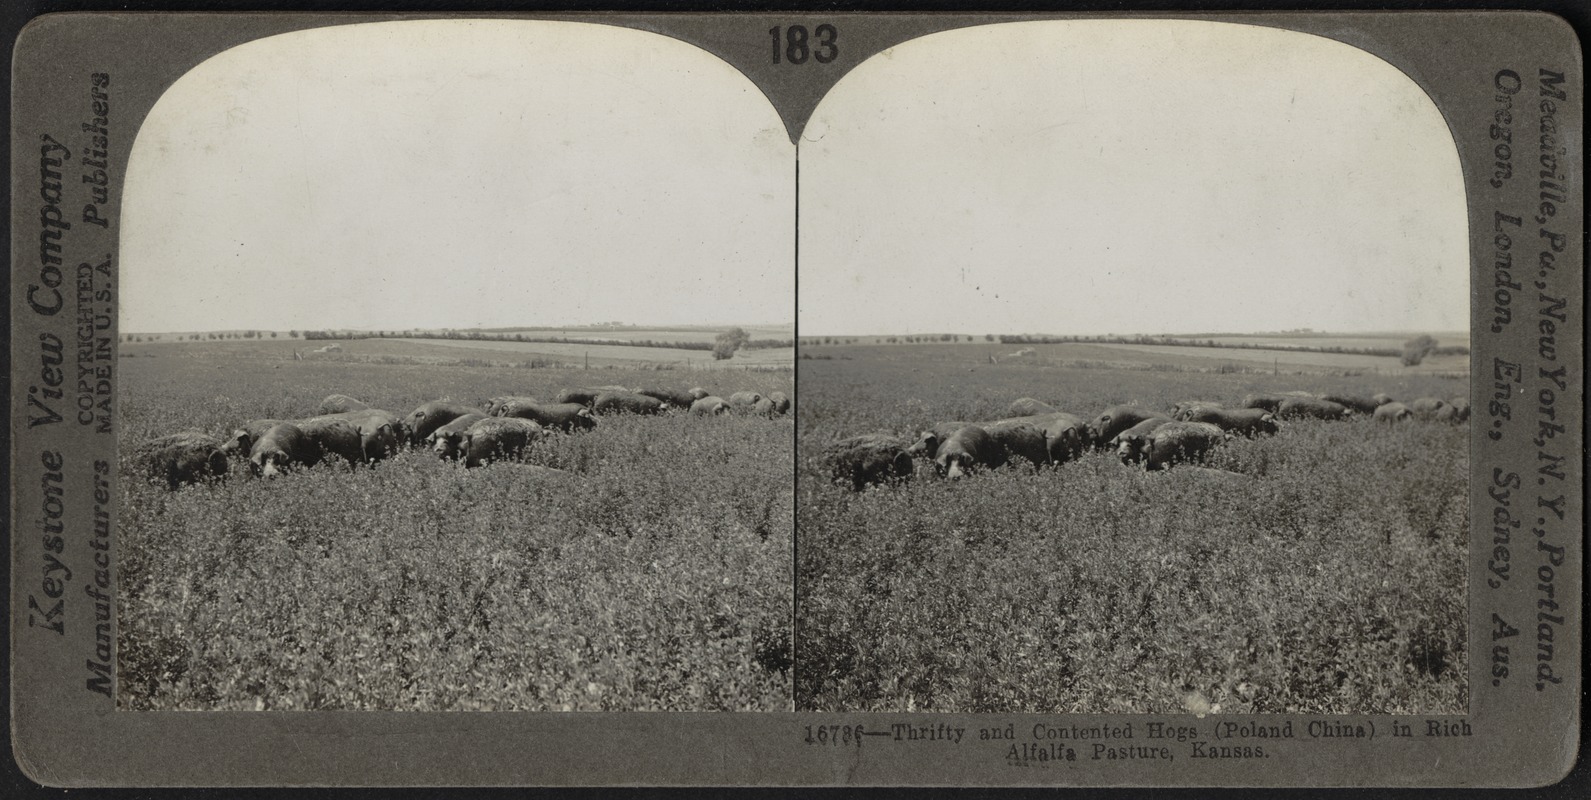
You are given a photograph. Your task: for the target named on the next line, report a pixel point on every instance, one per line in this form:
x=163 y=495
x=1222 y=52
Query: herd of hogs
x=502 y=427
x=1041 y=434
x=499 y=429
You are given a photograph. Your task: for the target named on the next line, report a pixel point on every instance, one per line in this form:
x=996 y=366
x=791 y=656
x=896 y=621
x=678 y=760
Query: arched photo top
x=1130 y=176
x=457 y=173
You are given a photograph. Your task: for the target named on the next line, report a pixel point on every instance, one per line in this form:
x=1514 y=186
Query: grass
x=1333 y=580
x=656 y=575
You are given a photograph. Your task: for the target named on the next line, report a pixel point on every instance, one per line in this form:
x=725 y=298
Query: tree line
x=1422 y=346
x=211 y=336
x=726 y=343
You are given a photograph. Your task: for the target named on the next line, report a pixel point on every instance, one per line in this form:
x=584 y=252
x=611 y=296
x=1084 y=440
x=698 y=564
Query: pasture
x=1298 y=352
x=604 y=354
x=1330 y=580
x=503 y=352
x=655 y=575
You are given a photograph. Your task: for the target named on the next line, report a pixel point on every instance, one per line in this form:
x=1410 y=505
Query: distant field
x=677 y=334
x=574 y=353
x=655 y=575
x=1383 y=340
x=1245 y=353
x=979 y=355
x=1297 y=360
x=422 y=351
x=681 y=334
x=1331 y=579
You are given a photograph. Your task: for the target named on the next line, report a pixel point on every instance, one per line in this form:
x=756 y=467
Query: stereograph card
x=769 y=399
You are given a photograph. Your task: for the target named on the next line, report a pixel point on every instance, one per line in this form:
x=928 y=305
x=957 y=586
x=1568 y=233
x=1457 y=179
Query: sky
x=1129 y=176
x=459 y=173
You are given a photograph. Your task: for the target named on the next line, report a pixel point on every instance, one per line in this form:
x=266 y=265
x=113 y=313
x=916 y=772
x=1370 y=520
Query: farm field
x=564 y=353
x=1331 y=579
x=1163 y=356
x=573 y=353
x=1300 y=360
x=666 y=334
x=458 y=352
x=1392 y=340
x=654 y=575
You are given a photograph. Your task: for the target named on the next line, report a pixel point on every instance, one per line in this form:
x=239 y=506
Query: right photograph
x=1134 y=360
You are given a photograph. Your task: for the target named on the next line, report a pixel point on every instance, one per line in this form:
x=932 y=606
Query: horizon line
x=1200 y=334
x=484 y=328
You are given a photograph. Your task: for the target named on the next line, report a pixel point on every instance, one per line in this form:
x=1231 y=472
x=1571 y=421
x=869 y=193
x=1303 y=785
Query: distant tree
x=726 y=343
x=1415 y=350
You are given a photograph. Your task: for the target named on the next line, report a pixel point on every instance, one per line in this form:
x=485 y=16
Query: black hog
x=625 y=403
x=1248 y=422
x=927 y=443
x=1116 y=419
x=1426 y=408
x=380 y=432
x=498 y=438
x=283 y=449
x=970 y=449
x=742 y=402
x=335 y=435
x=1310 y=408
x=183 y=458
x=1180 y=443
x=675 y=398
x=1393 y=412
x=1353 y=402
x=867 y=460
x=241 y=443
x=423 y=421
x=494 y=406
x=1129 y=444
x=448 y=441
x=709 y=406
x=566 y=417
x=1066 y=437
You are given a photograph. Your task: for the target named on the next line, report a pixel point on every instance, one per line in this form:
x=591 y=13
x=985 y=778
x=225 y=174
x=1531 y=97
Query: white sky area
x=459 y=173
x=1129 y=176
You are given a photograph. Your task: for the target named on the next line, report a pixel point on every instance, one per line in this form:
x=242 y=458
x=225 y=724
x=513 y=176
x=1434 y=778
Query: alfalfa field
x=1327 y=576
x=653 y=574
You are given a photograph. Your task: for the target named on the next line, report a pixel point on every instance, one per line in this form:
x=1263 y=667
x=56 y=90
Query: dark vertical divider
x=795 y=451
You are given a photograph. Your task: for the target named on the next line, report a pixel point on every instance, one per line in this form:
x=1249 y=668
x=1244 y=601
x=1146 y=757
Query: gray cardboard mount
x=1521 y=729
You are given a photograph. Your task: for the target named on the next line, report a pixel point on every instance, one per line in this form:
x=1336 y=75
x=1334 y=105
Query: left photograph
x=458 y=374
